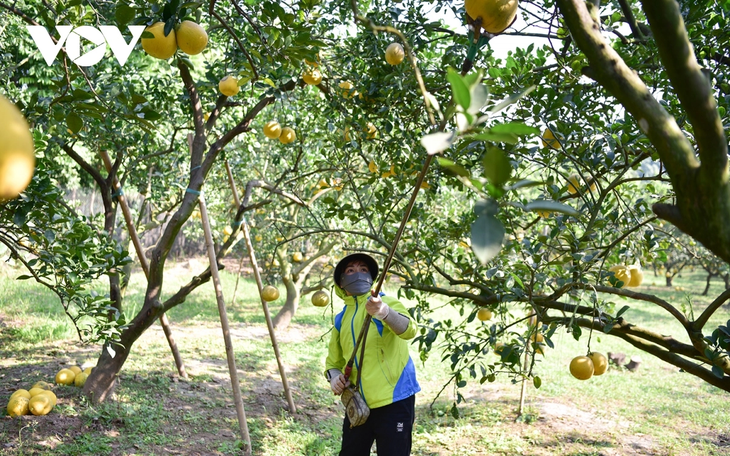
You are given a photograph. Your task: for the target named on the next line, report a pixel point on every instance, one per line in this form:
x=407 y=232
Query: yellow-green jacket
x=388 y=373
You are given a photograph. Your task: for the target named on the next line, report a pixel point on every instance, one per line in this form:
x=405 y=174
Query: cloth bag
x=355 y=406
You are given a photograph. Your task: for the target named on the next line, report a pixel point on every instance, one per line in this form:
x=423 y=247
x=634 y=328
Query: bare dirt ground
x=560 y=428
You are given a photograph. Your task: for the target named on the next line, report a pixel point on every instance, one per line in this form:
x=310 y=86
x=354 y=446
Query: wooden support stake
x=164 y=322
x=259 y=284
x=224 y=326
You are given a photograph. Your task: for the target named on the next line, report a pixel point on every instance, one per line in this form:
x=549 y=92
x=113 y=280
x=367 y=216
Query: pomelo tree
x=504 y=221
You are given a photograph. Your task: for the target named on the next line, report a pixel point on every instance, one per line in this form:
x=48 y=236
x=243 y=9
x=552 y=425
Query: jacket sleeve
x=335 y=360
x=398 y=306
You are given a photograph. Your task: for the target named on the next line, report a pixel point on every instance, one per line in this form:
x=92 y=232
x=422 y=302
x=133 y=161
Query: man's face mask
x=357 y=283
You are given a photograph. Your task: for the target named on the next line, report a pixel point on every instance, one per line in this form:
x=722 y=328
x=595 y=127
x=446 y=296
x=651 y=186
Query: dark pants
x=390 y=426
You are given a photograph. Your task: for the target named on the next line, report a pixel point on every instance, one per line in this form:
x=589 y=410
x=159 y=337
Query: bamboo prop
x=224 y=325
x=259 y=284
x=164 y=322
x=389 y=259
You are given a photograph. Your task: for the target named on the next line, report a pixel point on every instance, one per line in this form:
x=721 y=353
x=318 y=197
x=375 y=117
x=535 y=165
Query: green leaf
x=479 y=97
x=511 y=99
x=497 y=167
x=515 y=128
x=437 y=142
x=169 y=24
x=74 y=122
x=453 y=167
x=487 y=235
x=508 y=138
x=462 y=97
x=524 y=184
x=124 y=14
x=622 y=311
x=551 y=206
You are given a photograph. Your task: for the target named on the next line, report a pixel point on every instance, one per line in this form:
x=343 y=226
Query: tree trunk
x=726 y=278
x=669 y=280
x=283 y=318
x=707 y=286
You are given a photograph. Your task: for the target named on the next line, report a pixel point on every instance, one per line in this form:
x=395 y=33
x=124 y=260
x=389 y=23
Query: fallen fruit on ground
x=394 y=54
x=312 y=76
x=52 y=396
x=191 y=38
x=40 y=405
x=161 y=46
x=622 y=276
x=75 y=369
x=320 y=298
x=228 y=86
x=600 y=363
x=80 y=379
x=484 y=314
x=21 y=393
x=35 y=391
x=18 y=406
x=496 y=15
x=87 y=371
x=42 y=384
x=287 y=135
x=272 y=129
x=581 y=367
x=65 y=377
x=270 y=293
x=17 y=155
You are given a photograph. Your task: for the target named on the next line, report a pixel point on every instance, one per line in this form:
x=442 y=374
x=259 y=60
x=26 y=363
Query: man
x=388 y=379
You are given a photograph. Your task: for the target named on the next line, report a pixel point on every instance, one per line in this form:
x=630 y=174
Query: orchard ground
x=653 y=411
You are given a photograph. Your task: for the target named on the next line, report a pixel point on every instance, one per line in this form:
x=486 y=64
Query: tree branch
x=613 y=74
x=691 y=85
x=714 y=305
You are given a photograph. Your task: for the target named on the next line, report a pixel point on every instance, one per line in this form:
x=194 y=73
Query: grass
x=656 y=410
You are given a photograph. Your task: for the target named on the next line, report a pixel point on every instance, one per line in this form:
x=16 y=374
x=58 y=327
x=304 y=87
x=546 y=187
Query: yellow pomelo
x=498 y=348
x=65 y=377
x=347 y=91
x=600 y=363
x=637 y=276
x=228 y=231
x=373 y=167
x=621 y=273
x=270 y=293
x=496 y=15
x=484 y=314
x=573 y=184
x=544 y=214
x=18 y=405
x=191 y=38
x=75 y=369
x=537 y=337
x=228 y=86
x=21 y=393
x=371 y=131
x=297 y=257
x=581 y=367
x=320 y=299
x=549 y=140
x=259 y=238
x=42 y=384
x=272 y=129
x=161 y=46
x=35 y=391
x=40 y=405
x=51 y=396
x=394 y=54
x=312 y=76
x=287 y=135
x=17 y=156
x=80 y=379
x=87 y=371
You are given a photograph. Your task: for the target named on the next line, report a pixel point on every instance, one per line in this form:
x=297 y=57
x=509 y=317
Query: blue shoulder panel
x=338 y=319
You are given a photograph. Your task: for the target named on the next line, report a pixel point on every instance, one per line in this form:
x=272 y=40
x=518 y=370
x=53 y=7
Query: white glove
x=377 y=308
x=338 y=383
